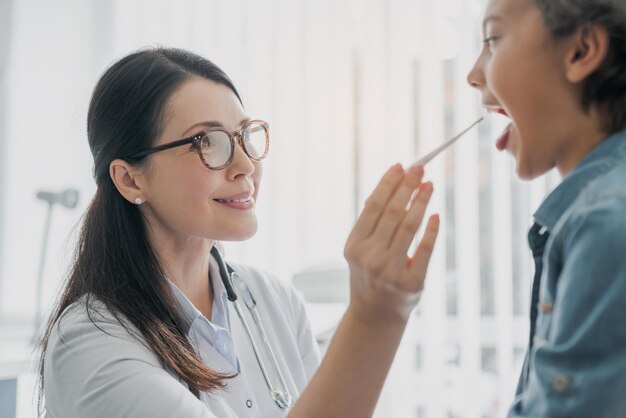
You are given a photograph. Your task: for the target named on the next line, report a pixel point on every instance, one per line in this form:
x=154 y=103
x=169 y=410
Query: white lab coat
x=89 y=373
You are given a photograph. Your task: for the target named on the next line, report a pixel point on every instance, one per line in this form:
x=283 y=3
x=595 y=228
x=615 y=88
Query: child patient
x=557 y=69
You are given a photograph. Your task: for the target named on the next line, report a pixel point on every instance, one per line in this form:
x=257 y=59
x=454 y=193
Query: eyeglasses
x=216 y=146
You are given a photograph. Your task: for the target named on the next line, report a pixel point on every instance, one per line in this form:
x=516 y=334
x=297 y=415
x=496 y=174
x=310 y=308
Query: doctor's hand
x=385 y=282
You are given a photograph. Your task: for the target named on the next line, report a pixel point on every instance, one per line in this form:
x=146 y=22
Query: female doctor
x=153 y=323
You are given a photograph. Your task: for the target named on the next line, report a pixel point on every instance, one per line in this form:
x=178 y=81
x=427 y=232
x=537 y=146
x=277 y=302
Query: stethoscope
x=230 y=277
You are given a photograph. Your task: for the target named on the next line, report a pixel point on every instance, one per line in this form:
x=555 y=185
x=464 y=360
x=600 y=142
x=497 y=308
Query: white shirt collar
x=189 y=313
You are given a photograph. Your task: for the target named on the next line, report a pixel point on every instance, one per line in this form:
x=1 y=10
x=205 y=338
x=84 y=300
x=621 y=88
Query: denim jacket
x=576 y=365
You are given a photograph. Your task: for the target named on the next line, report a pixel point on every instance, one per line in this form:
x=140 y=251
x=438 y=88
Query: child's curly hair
x=607 y=86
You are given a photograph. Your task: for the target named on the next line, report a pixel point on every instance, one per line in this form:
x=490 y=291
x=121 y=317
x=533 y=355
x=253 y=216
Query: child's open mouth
x=503 y=139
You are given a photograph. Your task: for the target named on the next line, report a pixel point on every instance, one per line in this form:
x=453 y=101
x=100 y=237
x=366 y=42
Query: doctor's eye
x=197 y=141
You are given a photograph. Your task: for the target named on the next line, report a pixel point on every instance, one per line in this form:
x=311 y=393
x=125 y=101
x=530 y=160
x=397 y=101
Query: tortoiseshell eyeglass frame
x=236 y=135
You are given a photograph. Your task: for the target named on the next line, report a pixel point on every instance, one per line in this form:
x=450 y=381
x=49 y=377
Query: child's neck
x=583 y=135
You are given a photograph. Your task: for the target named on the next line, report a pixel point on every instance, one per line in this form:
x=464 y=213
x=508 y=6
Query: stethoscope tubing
x=227 y=274
x=286 y=399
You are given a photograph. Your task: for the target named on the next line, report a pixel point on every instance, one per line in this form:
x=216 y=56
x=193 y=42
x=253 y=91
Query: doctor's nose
x=241 y=164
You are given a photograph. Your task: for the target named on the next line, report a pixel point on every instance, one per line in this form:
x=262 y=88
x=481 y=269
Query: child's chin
x=526 y=171
x=525 y=175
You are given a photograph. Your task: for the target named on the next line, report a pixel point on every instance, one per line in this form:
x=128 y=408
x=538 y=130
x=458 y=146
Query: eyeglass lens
x=216 y=145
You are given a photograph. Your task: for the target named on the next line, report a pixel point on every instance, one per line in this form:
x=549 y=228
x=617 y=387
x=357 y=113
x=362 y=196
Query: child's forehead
x=507 y=9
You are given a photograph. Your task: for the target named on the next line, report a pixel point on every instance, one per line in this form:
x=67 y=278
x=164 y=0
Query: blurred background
x=349 y=87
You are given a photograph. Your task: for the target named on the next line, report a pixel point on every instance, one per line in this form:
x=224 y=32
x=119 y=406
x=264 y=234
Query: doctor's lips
x=238 y=201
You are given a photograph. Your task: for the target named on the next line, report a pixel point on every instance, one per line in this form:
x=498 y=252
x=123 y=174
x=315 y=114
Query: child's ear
x=589 y=47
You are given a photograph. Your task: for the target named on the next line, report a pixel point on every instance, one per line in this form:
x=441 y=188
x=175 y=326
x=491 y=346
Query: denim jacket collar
x=600 y=160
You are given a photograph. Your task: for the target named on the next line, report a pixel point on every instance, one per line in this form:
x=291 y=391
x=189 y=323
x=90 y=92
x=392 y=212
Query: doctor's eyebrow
x=210 y=124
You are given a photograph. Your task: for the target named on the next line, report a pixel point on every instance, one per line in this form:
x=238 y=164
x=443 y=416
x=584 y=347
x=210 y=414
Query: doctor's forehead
x=198 y=100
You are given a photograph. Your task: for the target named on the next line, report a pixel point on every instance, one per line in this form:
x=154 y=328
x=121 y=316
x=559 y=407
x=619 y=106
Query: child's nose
x=475 y=77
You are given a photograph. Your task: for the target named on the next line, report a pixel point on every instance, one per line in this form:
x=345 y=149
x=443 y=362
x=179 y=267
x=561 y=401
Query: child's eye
x=490 y=41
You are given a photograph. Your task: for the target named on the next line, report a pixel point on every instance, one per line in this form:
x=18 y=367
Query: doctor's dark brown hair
x=114 y=262
x=606 y=87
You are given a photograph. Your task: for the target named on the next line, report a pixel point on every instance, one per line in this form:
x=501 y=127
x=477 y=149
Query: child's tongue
x=504 y=138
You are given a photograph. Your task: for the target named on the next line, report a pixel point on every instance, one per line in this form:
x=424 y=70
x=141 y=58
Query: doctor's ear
x=129 y=180
x=588 y=50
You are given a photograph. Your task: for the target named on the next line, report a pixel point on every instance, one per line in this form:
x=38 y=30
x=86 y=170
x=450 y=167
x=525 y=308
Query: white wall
x=49 y=75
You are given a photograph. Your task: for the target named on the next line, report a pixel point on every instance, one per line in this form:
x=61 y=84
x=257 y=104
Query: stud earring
x=138 y=201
